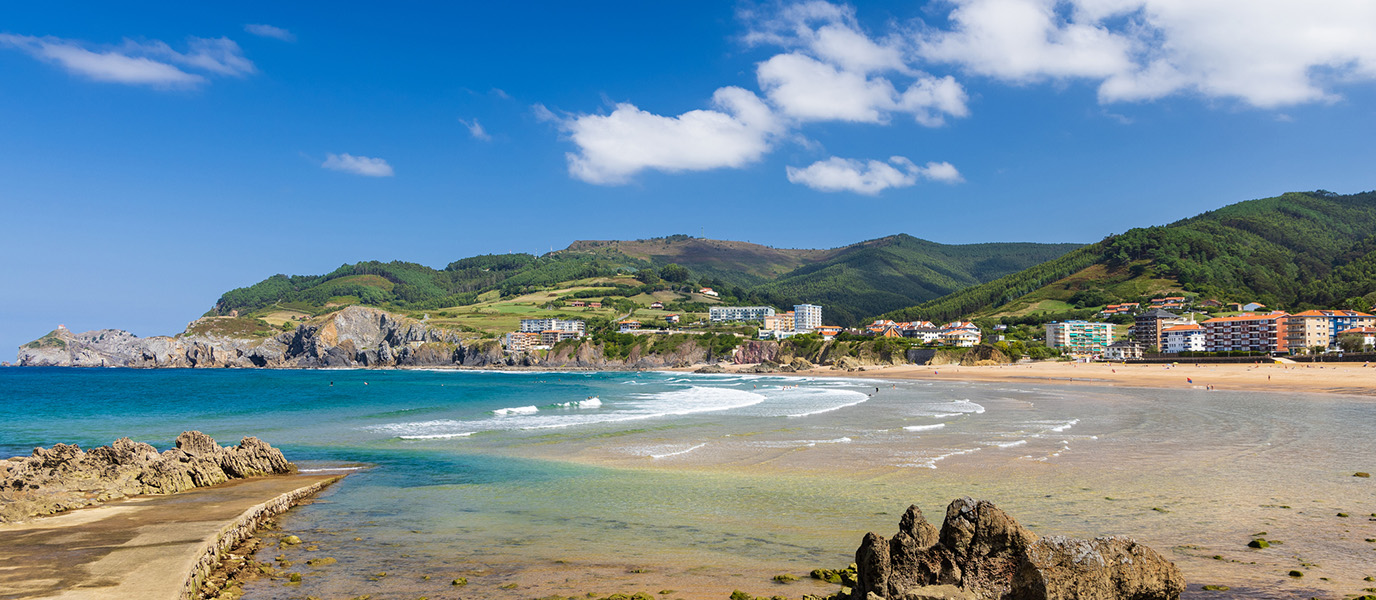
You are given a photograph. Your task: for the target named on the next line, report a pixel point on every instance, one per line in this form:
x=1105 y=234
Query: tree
x=675 y=273
x=1350 y=343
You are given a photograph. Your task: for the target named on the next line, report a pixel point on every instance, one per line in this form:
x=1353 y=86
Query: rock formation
x=65 y=477
x=981 y=553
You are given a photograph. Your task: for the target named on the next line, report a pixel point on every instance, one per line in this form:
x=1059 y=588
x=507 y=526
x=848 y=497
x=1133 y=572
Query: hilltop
x=489 y=293
x=1296 y=251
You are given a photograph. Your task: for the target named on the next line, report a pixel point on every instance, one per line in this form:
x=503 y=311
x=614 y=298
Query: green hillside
x=1298 y=250
x=851 y=282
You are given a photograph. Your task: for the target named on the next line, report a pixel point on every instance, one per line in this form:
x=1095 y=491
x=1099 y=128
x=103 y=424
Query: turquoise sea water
x=705 y=484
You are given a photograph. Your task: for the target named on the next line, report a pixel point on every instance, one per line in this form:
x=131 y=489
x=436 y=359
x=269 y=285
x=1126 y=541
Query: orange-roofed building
x=1183 y=338
x=1364 y=336
x=1320 y=328
x=1246 y=332
x=828 y=331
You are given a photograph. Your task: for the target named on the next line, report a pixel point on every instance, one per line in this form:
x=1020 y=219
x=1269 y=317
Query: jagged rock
x=710 y=369
x=65 y=477
x=801 y=364
x=981 y=553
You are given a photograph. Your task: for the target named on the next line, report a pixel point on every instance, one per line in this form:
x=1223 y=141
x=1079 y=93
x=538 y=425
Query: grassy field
x=1055 y=297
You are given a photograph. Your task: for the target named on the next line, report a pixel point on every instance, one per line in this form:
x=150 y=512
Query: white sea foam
x=929 y=462
x=517 y=410
x=668 y=454
x=437 y=436
x=1066 y=426
x=330 y=469
x=1006 y=444
x=924 y=427
x=800 y=443
x=857 y=397
x=593 y=402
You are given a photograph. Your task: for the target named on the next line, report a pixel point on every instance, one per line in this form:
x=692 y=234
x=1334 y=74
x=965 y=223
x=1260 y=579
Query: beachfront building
x=779 y=322
x=1123 y=350
x=550 y=337
x=927 y=333
x=1246 y=332
x=541 y=325
x=806 y=317
x=726 y=314
x=518 y=341
x=1183 y=338
x=1080 y=338
x=828 y=331
x=1320 y=328
x=962 y=338
x=1147 y=326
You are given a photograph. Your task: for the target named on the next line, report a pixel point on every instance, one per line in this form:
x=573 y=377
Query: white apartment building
x=1183 y=338
x=542 y=325
x=806 y=317
x=721 y=314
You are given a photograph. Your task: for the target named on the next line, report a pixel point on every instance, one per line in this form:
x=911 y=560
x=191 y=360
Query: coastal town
x=1171 y=326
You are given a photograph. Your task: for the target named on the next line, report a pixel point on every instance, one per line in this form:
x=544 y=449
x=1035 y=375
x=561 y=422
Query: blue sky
x=152 y=158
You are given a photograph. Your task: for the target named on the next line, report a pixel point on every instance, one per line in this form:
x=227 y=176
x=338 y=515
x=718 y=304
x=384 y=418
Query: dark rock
x=982 y=553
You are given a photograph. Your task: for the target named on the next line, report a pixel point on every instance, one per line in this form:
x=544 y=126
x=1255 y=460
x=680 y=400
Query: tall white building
x=542 y=325
x=719 y=314
x=806 y=317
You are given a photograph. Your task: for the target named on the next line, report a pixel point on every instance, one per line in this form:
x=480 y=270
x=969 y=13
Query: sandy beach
x=1325 y=378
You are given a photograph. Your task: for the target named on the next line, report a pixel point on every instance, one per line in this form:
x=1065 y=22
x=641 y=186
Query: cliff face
x=354 y=337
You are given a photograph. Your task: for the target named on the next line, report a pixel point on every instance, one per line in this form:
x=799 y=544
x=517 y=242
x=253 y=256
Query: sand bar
x=144 y=548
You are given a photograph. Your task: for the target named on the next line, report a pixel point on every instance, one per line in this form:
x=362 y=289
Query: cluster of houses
x=1274 y=332
x=956 y=333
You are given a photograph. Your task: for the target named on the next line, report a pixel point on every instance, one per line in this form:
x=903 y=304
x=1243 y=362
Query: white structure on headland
x=806 y=317
x=721 y=314
x=542 y=325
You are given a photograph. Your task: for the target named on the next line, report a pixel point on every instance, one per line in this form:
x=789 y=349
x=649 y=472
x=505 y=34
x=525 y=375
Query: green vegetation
x=232 y=327
x=852 y=282
x=1298 y=250
x=48 y=341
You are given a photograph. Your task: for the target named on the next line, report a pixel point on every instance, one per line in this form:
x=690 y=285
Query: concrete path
x=137 y=549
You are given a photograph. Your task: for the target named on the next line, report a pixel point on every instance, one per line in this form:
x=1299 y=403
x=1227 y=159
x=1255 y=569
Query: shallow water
x=704 y=484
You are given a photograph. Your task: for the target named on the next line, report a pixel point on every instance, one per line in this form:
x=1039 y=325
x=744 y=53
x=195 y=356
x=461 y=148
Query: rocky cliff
x=354 y=337
x=65 y=477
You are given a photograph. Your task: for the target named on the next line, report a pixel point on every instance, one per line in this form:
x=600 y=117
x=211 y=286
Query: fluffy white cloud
x=270 y=31
x=613 y=147
x=1267 y=53
x=837 y=72
x=837 y=174
x=476 y=130
x=149 y=63
x=358 y=165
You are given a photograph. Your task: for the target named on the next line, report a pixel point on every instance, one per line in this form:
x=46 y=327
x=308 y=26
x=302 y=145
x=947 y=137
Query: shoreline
x=1316 y=378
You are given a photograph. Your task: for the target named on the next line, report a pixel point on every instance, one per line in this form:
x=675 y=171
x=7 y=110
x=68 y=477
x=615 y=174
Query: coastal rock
x=64 y=477
x=756 y=351
x=984 y=554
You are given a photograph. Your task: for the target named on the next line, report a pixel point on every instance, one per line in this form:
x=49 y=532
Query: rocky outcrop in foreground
x=981 y=553
x=64 y=477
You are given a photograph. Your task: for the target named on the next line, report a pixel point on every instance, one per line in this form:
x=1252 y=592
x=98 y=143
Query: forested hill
x=852 y=282
x=1295 y=251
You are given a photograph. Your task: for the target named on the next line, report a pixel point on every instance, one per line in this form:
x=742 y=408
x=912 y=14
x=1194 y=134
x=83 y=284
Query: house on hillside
x=657 y=305
x=578 y=304
x=709 y=292
x=828 y=331
x=594 y=305
x=671 y=319
x=629 y=326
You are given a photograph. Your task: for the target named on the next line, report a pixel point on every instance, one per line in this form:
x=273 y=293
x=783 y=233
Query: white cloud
x=270 y=31
x=837 y=174
x=476 y=130
x=149 y=63
x=1267 y=53
x=837 y=72
x=613 y=147
x=358 y=165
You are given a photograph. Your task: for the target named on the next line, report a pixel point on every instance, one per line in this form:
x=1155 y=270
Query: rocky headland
x=65 y=477
x=359 y=336
x=981 y=553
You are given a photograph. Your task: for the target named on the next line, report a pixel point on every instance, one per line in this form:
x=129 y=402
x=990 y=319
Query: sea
x=531 y=484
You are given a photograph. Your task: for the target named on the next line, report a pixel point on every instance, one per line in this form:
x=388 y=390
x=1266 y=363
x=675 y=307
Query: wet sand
x=141 y=548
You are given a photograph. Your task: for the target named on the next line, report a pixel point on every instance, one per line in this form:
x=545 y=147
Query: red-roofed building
x=1364 y=337
x=1320 y=328
x=1183 y=338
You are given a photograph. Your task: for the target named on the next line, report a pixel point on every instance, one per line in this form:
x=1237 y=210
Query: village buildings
x=1320 y=328
x=1246 y=332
